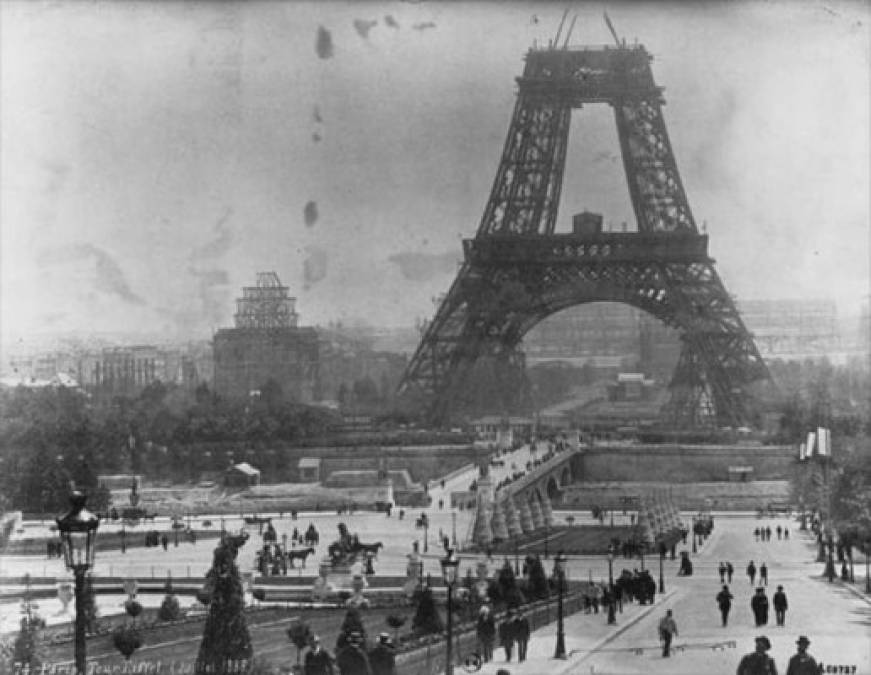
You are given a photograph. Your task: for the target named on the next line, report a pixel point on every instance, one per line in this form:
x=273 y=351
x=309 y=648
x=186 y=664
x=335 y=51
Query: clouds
x=108 y=276
x=418 y=266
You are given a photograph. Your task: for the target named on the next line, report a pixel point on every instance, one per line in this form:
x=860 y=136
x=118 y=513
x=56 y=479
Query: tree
x=537 y=586
x=225 y=636
x=396 y=622
x=509 y=592
x=25 y=649
x=426 y=619
x=300 y=634
x=352 y=623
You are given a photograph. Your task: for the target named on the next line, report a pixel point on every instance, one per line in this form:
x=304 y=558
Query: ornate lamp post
x=425 y=533
x=78 y=533
x=867 y=576
x=661 y=558
x=450 y=570
x=612 y=619
x=559 y=566
x=695 y=550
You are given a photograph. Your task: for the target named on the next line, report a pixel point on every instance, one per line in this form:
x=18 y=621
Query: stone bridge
x=523 y=505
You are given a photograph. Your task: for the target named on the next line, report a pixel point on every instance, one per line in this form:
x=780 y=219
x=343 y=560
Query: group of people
x=759 y=605
x=635 y=585
x=764 y=533
x=352 y=658
x=514 y=630
x=758 y=662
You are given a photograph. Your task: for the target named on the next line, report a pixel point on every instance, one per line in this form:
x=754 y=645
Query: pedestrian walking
x=751 y=572
x=667 y=630
x=802 y=663
x=758 y=662
x=786 y=533
x=722 y=570
x=164 y=541
x=724 y=602
x=759 y=605
x=768 y=533
x=730 y=570
x=763 y=574
x=521 y=634
x=351 y=659
x=506 y=635
x=780 y=605
x=756 y=534
x=486 y=632
x=382 y=658
x=779 y=531
x=318 y=660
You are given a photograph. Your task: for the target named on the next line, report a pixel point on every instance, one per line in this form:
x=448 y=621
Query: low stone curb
x=572 y=664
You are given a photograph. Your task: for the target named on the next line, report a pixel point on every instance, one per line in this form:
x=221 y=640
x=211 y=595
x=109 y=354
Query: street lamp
x=559 y=566
x=611 y=618
x=78 y=533
x=661 y=558
x=450 y=569
x=695 y=550
x=867 y=576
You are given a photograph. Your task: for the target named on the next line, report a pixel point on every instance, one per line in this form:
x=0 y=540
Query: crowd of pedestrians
x=352 y=658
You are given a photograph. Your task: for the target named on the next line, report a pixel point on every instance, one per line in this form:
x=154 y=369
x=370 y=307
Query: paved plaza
x=836 y=617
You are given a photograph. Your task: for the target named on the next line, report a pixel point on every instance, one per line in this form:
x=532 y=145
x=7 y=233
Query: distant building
x=241 y=475
x=266 y=344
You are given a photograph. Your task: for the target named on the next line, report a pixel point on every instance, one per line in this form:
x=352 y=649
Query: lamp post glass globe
x=78 y=533
x=450 y=568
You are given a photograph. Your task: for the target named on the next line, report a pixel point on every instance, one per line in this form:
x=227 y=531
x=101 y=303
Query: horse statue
x=344 y=549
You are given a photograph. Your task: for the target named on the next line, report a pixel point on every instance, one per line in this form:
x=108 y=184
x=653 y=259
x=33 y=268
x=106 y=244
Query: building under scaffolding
x=266 y=344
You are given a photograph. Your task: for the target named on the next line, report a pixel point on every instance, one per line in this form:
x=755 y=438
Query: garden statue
x=343 y=550
x=321 y=587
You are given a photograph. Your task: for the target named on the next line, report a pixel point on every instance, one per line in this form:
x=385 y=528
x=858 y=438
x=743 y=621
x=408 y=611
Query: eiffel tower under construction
x=517 y=271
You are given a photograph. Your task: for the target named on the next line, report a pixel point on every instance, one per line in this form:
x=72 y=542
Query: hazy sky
x=156 y=156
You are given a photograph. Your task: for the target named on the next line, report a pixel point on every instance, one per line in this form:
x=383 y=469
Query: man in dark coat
x=780 y=605
x=724 y=602
x=318 y=660
x=759 y=605
x=758 y=662
x=763 y=574
x=486 y=630
x=802 y=663
x=351 y=659
x=383 y=657
x=730 y=570
x=722 y=570
x=521 y=634
x=506 y=634
x=751 y=572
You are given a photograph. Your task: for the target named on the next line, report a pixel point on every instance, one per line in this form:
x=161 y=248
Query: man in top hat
x=382 y=658
x=318 y=661
x=352 y=660
x=802 y=663
x=758 y=662
x=759 y=605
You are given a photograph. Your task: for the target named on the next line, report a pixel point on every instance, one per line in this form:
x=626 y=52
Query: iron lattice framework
x=517 y=271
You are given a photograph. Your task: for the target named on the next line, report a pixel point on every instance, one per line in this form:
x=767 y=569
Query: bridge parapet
x=538 y=473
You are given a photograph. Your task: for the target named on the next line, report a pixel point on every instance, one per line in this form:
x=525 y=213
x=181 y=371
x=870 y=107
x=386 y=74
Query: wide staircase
x=718 y=496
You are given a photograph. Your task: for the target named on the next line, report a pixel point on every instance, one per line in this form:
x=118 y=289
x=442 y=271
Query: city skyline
x=152 y=169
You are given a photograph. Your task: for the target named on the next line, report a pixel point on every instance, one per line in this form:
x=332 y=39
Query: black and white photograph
x=435 y=336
